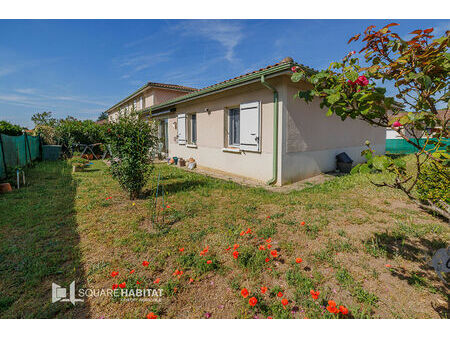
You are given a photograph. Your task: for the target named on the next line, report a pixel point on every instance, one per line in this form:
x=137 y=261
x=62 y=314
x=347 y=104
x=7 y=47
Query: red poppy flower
x=235 y=254
x=249 y=231
x=267 y=259
x=115 y=286
x=242 y=233
x=181 y=249
x=302 y=223
x=314 y=294
x=268 y=240
x=229 y=248
x=263 y=289
x=114 y=274
x=151 y=315
x=388 y=265
x=274 y=253
x=280 y=294
x=244 y=293
x=261 y=247
x=332 y=303
x=269 y=317
x=268 y=216
x=209 y=262
x=284 y=301
x=168 y=206
x=332 y=309
x=137 y=282
x=122 y=285
x=343 y=310
x=145 y=263
x=269 y=246
x=132 y=271
x=235 y=246
x=177 y=273
x=204 y=251
x=156 y=281
x=298 y=260
x=252 y=301
x=191 y=280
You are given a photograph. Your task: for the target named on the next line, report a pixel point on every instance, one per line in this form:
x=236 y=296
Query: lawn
x=366 y=248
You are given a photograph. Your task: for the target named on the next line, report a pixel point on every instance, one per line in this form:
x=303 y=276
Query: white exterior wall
x=211 y=133
x=311 y=140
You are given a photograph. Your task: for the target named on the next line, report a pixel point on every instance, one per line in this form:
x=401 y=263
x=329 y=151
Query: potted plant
x=78 y=163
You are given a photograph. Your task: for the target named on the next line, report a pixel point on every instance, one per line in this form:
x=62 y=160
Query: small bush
x=131 y=139
x=434 y=184
x=10 y=129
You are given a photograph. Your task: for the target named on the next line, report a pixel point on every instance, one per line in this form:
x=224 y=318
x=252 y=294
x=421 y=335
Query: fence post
x=3 y=154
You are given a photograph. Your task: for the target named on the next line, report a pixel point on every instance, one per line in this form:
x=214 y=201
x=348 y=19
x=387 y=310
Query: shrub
x=70 y=131
x=131 y=140
x=10 y=129
x=434 y=184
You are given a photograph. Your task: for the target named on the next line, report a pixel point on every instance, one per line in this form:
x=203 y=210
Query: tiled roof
x=154 y=85
x=284 y=65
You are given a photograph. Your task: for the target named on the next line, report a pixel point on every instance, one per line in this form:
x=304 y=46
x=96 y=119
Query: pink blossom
x=362 y=81
x=396 y=124
x=294 y=69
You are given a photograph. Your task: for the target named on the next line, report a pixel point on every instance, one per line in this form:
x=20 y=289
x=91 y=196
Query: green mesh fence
x=17 y=151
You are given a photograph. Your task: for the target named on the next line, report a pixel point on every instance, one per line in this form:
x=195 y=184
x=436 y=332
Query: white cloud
x=227 y=33
x=25 y=90
x=139 y=61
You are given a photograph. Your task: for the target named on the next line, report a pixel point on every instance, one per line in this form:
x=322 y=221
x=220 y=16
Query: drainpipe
x=275 y=130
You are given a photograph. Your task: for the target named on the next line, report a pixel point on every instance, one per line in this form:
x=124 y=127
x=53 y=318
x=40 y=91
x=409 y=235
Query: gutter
x=275 y=130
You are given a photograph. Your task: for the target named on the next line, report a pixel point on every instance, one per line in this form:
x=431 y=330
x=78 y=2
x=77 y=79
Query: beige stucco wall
x=211 y=132
x=311 y=140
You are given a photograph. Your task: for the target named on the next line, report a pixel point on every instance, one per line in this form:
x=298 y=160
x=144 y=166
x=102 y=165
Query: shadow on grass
x=39 y=245
x=174 y=187
x=415 y=250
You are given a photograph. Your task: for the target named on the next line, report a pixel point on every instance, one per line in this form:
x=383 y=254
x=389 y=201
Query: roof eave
x=140 y=90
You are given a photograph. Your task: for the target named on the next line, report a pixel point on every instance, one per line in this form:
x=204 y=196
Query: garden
x=341 y=249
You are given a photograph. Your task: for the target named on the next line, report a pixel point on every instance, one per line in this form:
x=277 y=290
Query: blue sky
x=82 y=67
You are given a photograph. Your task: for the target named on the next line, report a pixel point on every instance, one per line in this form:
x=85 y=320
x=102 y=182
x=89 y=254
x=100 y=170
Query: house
x=252 y=126
x=150 y=94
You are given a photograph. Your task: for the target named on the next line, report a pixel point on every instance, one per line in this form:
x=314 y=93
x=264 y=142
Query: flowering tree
x=419 y=71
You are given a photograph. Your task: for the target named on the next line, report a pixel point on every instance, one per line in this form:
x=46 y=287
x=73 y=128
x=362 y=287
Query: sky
x=83 y=67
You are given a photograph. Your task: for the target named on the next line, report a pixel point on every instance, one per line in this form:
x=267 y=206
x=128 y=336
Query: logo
x=441 y=262
x=60 y=294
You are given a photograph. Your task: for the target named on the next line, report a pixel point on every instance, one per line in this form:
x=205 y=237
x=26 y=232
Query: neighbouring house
x=252 y=126
x=150 y=94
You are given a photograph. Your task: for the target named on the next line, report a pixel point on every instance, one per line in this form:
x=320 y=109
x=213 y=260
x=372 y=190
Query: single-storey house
x=252 y=126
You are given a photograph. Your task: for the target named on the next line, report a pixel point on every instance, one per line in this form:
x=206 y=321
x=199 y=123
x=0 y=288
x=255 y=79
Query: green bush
x=131 y=140
x=434 y=184
x=70 y=131
x=10 y=129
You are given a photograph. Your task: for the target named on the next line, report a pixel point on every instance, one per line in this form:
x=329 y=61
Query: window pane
x=234 y=126
x=194 y=128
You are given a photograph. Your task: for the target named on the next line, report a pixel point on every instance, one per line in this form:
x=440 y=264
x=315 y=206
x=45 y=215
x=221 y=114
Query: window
x=192 y=128
x=234 y=127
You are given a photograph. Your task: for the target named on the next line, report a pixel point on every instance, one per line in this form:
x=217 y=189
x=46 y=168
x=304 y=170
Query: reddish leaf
x=355 y=38
x=417 y=31
x=392 y=24
x=429 y=30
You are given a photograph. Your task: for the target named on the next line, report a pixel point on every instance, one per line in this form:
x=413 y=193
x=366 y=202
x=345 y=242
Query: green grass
x=61 y=227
